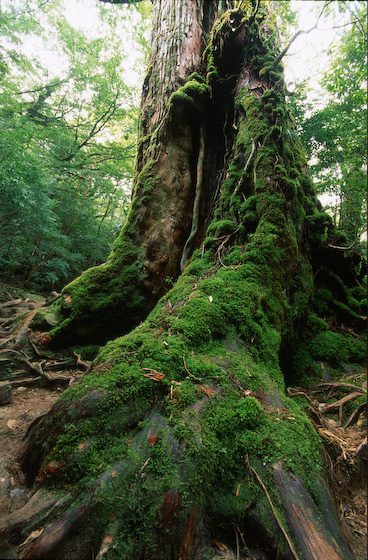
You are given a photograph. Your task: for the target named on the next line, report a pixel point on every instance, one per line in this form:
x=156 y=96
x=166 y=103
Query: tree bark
x=182 y=434
x=112 y=298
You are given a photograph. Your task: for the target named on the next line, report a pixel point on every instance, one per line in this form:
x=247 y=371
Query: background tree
x=68 y=144
x=183 y=430
x=335 y=135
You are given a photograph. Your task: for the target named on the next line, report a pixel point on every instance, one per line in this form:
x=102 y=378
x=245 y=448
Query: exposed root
x=290 y=544
x=345 y=446
x=28 y=365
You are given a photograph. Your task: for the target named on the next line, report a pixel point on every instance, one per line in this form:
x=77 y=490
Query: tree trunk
x=183 y=142
x=182 y=434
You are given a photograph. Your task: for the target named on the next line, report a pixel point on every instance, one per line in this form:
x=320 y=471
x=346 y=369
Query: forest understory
x=32 y=379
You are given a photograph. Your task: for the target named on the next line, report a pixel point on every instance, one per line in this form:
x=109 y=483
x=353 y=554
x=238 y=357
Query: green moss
x=87 y=352
x=315 y=324
x=205 y=362
x=231 y=415
x=321 y=300
x=220 y=228
x=146 y=182
x=298 y=366
x=45 y=318
x=192 y=94
x=196 y=77
x=250 y=222
x=334 y=348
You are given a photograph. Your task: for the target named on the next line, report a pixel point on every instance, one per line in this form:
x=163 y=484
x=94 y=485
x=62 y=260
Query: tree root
x=18 y=347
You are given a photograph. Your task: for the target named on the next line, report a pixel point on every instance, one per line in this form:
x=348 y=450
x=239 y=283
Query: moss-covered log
x=182 y=433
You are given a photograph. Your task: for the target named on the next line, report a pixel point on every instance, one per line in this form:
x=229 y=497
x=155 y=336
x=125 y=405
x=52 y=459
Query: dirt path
x=27 y=404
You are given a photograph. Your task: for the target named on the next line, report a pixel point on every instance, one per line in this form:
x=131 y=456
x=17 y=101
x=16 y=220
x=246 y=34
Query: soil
x=15 y=418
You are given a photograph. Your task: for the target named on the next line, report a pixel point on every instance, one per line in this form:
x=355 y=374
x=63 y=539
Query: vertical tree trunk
x=173 y=135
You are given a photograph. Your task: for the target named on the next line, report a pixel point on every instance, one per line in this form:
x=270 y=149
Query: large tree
x=227 y=285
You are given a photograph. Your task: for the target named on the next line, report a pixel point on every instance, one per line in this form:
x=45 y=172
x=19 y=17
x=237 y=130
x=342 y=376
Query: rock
x=6 y=393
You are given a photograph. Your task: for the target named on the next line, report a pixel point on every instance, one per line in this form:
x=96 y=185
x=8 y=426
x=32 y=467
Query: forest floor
x=38 y=379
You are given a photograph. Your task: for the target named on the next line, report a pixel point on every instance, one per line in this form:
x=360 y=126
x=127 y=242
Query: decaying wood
x=40 y=502
x=304 y=520
x=339 y=404
x=290 y=544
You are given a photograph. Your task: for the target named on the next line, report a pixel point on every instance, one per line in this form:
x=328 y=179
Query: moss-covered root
x=105 y=300
x=164 y=503
x=169 y=455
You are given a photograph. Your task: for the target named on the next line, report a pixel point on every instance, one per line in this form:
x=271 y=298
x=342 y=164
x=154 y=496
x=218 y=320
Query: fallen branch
x=338 y=385
x=323 y=408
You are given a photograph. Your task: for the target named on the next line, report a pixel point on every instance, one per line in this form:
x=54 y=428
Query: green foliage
x=335 y=136
x=334 y=348
x=68 y=144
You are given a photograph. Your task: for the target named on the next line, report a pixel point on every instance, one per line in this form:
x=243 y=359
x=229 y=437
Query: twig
x=300 y=32
x=293 y=551
x=144 y=465
x=343 y=248
x=243 y=541
x=188 y=372
x=185 y=367
x=338 y=384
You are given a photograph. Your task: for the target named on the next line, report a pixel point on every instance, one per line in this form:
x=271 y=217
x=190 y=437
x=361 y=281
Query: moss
x=250 y=221
x=87 y=352
x=334 y=348
x=345 y=312
x=298 y=366
x=45 y=319
x=146 y=182
x=235 y=256
x=307 y=183
x=231 y=415
x=196 y=77
x=321 y=300
x=315 y=324
x=193 y=94
x=220 y=228
x=205 y=362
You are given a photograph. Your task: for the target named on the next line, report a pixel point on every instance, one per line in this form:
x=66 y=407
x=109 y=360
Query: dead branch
x=323 y=408
x=338 y=384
